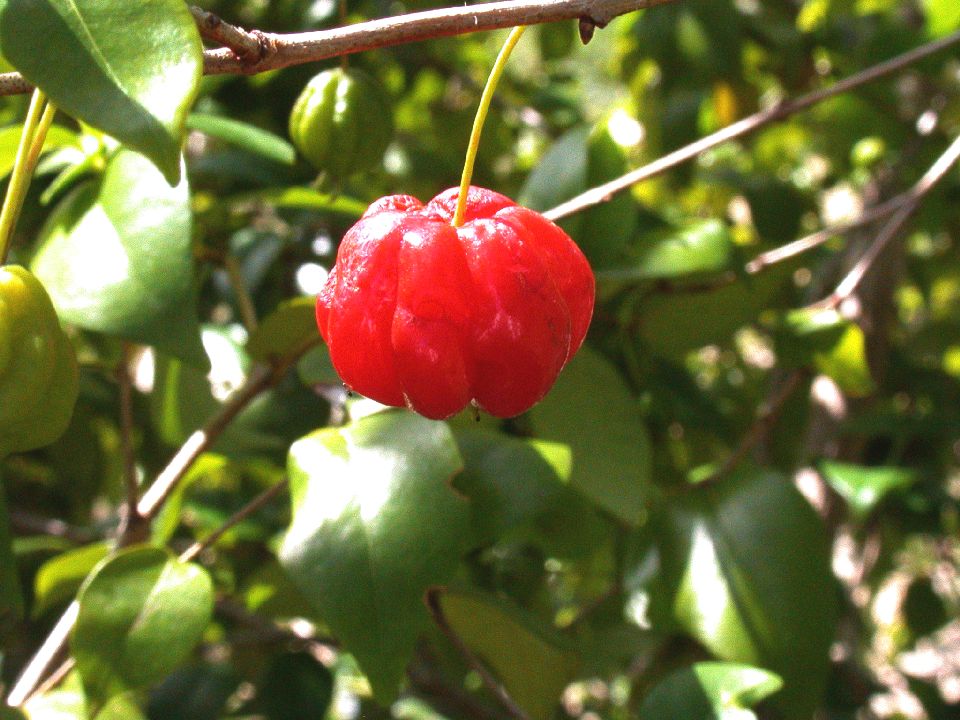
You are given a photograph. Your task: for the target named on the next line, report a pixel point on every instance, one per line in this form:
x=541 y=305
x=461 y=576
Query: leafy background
x=726 y=508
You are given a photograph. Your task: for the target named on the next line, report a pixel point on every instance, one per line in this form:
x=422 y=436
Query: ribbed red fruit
x=419 y=313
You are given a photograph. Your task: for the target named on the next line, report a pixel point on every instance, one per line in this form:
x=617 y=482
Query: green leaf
x=943 y=17
x=244 y=135
x=301 y=198
x=824 y=340
x=516 y=490
x=134 y=68
x=703 y=247
x=709 y=691
x=747 y=566
x=10 y=139
x=59 y=578
x=141 y=614
x=295 y=685
x=531 y=661
x=284 y=331
x=581 y=159
x=591 y=410
x=116 y=257
x=375 y=523
x=11 y=598
x=864 y=487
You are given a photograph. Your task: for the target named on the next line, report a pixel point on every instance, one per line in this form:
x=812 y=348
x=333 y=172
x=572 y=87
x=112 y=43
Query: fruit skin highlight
x=38 y=368
x=420 y=313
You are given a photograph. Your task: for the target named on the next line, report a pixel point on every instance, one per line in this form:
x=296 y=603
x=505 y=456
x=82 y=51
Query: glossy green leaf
x=11 y=598
x=57 y=137
x=59 y=578
x=531 y=661
x=864 y=487
x=116 y=257
x=591 y=410
x=141 y=614
x=301 y=198
x=244 y=135
x=747 y=565
x=136 y=85
x=709 y=691
x=375 y=523
x=581 y=159
x=703 y=247
x=516 y=491
x=287 y=329
x=824 y=340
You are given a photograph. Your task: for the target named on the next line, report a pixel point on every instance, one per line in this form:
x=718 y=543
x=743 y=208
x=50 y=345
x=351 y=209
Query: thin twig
x=248 y=312
x=27 y=523
x=239 y=516
x=894 y=226
x=603 y=193
x=766 y=419
x=284 y=50
x=166 y=482
x=247 y=46
x=489 y=681
x=132 y=527
x=52 y=649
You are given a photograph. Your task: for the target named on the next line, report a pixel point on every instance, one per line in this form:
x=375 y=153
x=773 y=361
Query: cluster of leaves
x=596 y=557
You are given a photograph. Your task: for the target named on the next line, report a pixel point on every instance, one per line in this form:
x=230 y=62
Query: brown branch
x=25 y=523
x=603 y=193
x=133 y=528
x=766 y=419
x=849 y=284
x=277 y=51
x=488 y=679
x=239 y=516
x=248 y=47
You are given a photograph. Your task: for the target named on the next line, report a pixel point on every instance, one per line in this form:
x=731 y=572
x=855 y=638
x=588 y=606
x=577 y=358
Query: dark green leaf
x=116 y=257
x=591 y=410
x=287 y=329
x=747 y=564
x=531 y=661
x=11 y=598
x=709 y=691
x=136 y=84
x=864 y=487
x=243 y=135
x=195 y=692
x=375 y=523
x=295 y=686
x=141 y=614
x=516 y=491
x=581 y=159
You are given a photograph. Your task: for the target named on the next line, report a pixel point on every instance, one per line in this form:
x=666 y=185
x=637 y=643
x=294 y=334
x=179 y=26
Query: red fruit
x=419 y=313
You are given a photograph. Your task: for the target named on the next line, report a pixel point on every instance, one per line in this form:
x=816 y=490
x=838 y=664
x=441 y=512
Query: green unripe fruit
x=342 y=122
x=38 y=368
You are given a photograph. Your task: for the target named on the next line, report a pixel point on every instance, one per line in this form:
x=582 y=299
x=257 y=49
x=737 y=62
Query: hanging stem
x=485 y=100
x=35 y=125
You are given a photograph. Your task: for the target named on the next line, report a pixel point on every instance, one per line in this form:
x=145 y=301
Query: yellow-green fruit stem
x=485 y=99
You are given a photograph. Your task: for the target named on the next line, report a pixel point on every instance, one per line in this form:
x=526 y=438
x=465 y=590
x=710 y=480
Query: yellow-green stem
x=481 y=117
x=31 y=142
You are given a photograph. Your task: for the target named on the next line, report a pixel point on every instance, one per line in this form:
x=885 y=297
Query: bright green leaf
x=301 y=198
x=531 y=661
x=141 y=614
x=864 y=487
x=116 y=257
x=375 y=523
x=591 y=410
x=287 y=329
x=59 y=578
x=943 y=17
x=244 y=135
x=747 y=565
x=709 y=691
x=10 y=139
x=136 y=84
x=702 y=247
